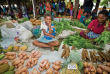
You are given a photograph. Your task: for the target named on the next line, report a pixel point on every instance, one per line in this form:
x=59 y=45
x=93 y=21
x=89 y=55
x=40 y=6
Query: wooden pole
x=76 y=8
x=34 y=8
x=9 y=4
x=97 y=5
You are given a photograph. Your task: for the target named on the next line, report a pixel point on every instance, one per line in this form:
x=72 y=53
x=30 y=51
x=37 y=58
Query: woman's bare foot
x=52 y=49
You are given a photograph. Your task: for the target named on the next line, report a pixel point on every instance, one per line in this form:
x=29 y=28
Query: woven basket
x=9 y=25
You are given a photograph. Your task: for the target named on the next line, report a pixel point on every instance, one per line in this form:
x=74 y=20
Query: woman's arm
x=50 y=29
x=47 y=34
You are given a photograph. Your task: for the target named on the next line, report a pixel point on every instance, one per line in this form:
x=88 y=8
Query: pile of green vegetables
x=3 y=20
x=88 y=21
x=23 y=20
x=79 y=42
x=104 y=38
x=79 y=24
x=62 y=25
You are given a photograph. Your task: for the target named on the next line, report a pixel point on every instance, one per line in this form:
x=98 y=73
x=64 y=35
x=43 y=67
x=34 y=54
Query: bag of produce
x=36 y=31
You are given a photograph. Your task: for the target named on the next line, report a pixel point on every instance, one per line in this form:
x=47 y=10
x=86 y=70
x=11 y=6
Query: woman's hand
x=86 y=31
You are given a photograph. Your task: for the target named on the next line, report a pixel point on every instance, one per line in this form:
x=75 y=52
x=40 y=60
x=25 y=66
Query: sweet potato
x=49 y=71
x=93 y=69
x=20 y=64
x=108 y=64
x=99 y=70
x=10 y=53
x=92 y=73
x=44 y=64
x=57 y=63
x=56 y=72
x=56 y=67
x=40 y=69
x=104 y=72
x=16 y=62
x=86 y=70
x=105 y=68
x=85 y=64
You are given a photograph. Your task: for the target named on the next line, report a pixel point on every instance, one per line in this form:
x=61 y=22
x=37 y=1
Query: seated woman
x=83 y=18
x=96 y=27
x=47 y=38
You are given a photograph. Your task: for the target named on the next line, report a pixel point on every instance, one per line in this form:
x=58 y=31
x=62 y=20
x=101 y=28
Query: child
x=53 y=13
x=71 y=9
x=47 y=34
x=83 y=18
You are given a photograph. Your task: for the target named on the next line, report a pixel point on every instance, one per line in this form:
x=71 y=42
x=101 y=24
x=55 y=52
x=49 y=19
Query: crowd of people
x=53 y=8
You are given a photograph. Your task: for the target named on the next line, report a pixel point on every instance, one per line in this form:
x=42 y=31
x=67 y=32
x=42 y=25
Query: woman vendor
x=96 y=27
x=48 y=32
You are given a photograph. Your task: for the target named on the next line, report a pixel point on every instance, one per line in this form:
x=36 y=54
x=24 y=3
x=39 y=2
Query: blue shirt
x=53 y=4
x=82 y=21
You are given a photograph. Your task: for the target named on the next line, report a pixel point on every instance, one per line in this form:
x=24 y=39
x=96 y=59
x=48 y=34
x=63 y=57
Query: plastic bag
x=28 y=25
x=66 y=33
x=8 y=32
x=25 y=36
x=36 y=31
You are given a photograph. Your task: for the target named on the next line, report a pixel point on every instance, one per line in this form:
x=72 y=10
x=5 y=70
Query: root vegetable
x=35 y=62
x=20 y=68
x=93 y=69
x=99 y=70
x=40 y=69
x=105 y=68
x=63 y=53
x=20 y=64
x=23 y=73
x=10 y=53
x=90 y=65
x=56 y=72
x=92 y=73
x=25 y=57
x=56 y=67
x=32 y=65
x=85 y=64
x=108 y=64
x=49 y=71
x=16 y=62
x=86 y=70
x=44 y=64
x=104 y=72
x=88 y=73
x=22 y=61
x=11 y=57
x=57 y=63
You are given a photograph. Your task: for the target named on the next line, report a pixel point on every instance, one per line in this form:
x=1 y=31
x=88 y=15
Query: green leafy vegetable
x=78 y=24
x=78 y=42
x=88 y=21
x=62 y=25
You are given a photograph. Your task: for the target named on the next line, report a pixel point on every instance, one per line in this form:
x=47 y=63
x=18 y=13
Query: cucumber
x=9 y=72
x=11 y=68
x=2 y=56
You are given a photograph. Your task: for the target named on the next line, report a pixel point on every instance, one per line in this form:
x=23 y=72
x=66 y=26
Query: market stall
x=75 y=55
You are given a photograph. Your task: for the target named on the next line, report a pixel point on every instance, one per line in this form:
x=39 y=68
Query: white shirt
x=43 y=26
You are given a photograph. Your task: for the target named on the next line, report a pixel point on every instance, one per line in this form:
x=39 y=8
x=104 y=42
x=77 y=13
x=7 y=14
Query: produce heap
x=88 y=21
x=78 y=42
x=22 y=20
x=62 y=25
x=78 y=24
